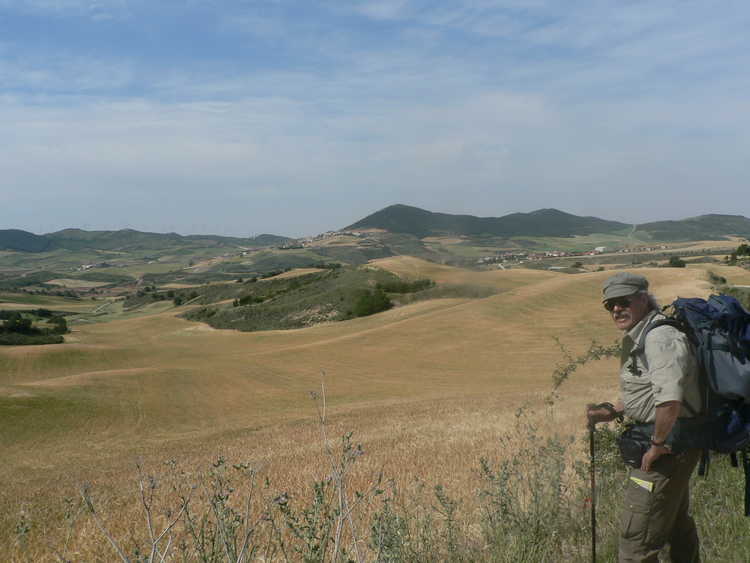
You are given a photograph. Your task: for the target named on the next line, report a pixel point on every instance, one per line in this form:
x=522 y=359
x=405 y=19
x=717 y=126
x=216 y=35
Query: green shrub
x=371 y=302
x=402 y=286
x=676 y=262
x=17 y=323
x=18 y=339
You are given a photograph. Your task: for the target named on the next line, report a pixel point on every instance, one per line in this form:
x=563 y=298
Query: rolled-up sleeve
x=668 y=358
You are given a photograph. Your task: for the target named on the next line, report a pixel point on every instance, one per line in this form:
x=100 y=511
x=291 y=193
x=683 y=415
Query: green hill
x=703 y=227
x=125 y=239
x=129 y=239
x=22 y=241
x=543 y=222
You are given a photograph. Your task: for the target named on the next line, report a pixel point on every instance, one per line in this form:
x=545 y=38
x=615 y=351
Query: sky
x=241 y=117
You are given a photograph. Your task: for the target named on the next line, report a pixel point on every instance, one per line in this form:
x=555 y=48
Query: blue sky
x=251 y=116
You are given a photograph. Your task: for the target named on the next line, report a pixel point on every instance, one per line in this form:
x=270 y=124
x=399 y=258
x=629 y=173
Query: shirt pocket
x=636 y=393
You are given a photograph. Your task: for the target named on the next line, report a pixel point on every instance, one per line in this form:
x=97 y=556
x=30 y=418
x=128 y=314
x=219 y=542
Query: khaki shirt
x=665 y=370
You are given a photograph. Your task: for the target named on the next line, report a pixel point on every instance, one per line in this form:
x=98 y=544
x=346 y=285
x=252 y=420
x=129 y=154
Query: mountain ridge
x=549 y=222
x=542 y=222
x=399 y=219
x=124 y=239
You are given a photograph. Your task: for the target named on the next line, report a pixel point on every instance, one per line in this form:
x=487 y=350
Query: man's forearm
x=666 y=415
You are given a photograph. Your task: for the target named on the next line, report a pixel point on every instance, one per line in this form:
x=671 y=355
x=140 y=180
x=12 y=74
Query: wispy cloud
x=328 y=110
x=93 y=9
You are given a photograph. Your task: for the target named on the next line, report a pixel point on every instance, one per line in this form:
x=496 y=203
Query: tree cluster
x=18 y=329
x=742 y=252
x=401 y=286
x=371 y=302
x=676 y=262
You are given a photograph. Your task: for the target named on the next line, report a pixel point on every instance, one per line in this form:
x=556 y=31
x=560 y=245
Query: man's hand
x=596 y=414
x=666 y=414
x=650 y=457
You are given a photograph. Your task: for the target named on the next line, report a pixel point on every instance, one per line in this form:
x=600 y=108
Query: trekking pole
x=592 y=474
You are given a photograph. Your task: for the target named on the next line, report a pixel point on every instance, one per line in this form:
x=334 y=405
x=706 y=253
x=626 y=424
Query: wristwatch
x=662 y=444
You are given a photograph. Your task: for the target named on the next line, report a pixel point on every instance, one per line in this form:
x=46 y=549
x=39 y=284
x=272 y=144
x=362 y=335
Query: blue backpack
x=719 y=331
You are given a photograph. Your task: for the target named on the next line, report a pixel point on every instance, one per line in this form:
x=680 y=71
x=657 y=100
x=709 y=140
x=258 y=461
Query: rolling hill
x=547 y=223
x=703 y=227
x=23 y=241
x=125 y=239
x=543 y=222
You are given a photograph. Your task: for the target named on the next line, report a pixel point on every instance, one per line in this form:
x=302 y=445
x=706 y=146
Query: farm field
x=53 y=303
x=434 y=380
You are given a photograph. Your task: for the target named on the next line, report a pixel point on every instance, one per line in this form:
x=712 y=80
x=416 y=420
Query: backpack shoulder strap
x=641 y=346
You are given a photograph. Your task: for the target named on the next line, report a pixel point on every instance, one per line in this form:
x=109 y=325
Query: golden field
x=426 y=388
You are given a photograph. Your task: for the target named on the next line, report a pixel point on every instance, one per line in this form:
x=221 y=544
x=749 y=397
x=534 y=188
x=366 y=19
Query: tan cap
x=622 y=284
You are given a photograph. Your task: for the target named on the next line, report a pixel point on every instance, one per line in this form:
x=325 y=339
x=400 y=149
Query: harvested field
x=295 y=273
x=76 y=284
x=434 y=380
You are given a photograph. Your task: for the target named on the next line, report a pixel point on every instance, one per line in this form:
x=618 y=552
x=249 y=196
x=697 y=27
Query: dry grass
x=295 y=273
x=78 y=284
x=18 y=302
x=415 y=268
x=426 y=388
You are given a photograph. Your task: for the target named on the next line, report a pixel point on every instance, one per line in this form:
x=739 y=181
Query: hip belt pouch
x=634 y=442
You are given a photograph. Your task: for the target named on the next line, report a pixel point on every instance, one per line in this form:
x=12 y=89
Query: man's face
x=627 y=311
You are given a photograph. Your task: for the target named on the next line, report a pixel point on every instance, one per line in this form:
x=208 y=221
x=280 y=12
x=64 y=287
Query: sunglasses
x=621 y=302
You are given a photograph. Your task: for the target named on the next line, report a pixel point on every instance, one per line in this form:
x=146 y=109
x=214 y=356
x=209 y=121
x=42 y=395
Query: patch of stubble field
x=426 y=389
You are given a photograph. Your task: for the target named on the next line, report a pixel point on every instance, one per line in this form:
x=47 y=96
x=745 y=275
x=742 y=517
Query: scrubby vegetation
x=283 y=303
x=740 y=256
x=19 y=329
x=403 y=286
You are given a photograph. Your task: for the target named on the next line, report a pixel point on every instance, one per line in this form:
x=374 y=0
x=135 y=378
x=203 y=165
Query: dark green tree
x=59 y=325
x=676 y=262
x=371 y=302
x=18 y=323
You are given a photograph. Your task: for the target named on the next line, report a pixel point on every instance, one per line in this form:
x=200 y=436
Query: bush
x=59 y=325
x=371 y=302
x=676 y=262
x=401 y=286
x=17 y=339
x=248 y=300
x=19 y=324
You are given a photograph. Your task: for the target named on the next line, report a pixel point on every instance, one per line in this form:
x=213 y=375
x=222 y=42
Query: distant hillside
x=126 y=239
x=543 y=222
x=22 y=241
x=704 y=227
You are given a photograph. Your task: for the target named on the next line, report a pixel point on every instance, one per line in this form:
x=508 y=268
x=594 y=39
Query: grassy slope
x=431 y=380
x=24 y=301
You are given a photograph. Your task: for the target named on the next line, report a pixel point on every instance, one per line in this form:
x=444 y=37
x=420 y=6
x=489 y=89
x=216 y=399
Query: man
x=659 y=391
